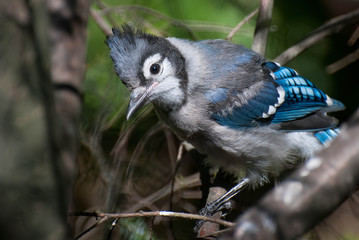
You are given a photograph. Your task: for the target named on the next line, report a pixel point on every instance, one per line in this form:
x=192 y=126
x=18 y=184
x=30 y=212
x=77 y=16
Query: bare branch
x=354 y=37
x=259 y=44
x=176 y=168
x=189 y=26
x=332 y=26
x=240 y=24
x=175 y=22
x=102 y=5
x=103 y=25
x=167 y=214
x=342 y=63
x=309 y=194
x=170 y=214
x=190 y=181
x=93 y=226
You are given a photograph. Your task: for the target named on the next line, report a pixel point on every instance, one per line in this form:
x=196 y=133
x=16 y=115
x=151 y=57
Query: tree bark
x=309 y=195
x=42 y=66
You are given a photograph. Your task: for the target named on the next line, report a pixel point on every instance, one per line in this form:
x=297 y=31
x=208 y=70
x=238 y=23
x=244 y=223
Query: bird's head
x=149 y=66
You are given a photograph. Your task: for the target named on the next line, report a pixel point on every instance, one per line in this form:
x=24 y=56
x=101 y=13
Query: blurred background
x=127 y=166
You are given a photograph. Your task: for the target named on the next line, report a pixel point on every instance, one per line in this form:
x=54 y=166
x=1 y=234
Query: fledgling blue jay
x=251 y=117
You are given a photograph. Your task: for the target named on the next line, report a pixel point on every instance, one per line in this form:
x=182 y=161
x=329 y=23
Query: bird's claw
x=210 y=209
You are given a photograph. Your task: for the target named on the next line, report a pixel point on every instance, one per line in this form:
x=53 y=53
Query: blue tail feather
x=327 y=135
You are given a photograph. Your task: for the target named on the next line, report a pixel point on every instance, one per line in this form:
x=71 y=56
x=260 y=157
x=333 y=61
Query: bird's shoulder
x=217 y=54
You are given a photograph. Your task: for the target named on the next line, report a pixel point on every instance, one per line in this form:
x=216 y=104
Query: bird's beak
x=138 y=98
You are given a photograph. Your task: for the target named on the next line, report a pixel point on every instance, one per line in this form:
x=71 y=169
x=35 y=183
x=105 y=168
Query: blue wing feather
x=302 y=97
x=217 y=95
x=265 y=106
x=231 y=111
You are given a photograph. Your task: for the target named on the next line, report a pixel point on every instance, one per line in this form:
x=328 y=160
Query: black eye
x=155 y=68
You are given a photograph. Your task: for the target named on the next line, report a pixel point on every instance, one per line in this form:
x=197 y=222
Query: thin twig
x=354 y=37
x=100 y=22
x=101 y=5
x=240 y=24
x=113 y=225
x=332 y=26
x=342 y=63
x=259 y=43
x=154 y=214
x=177 y=166
x=175 y=22
x=189 y=26
x=190 y=181
x=216 y=233
x=93 y=226
x=145 y=138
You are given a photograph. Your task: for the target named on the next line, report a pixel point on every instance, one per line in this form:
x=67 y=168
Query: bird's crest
x=127 y=46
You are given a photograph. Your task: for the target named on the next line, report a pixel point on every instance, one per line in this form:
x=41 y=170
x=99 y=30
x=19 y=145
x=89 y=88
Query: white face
x=161 y=72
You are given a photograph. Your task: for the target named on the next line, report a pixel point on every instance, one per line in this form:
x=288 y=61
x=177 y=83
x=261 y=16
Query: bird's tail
x=326 y=136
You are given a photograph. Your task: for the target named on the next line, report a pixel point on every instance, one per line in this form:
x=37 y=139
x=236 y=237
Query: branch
x=190 y=181
x=101 y=5
x=262 y=27
x=103 y=25
x=342 y=63
x=240 y=24
x=332 y=26
x=188 y=26
x=174 y=22
x=166 y=214
x=354 y=37
x=93 y=226
x=105 y=216
x=309 y=194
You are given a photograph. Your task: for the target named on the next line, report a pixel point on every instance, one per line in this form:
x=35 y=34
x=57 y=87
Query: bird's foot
x=214 y=207
x=211 y=209
x=221 y=204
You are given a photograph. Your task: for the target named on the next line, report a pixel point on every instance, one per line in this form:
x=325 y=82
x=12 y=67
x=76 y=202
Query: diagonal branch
x=332 y=26
x=240 y=24
x=103 y=25
x=342 y=63
x=187 y=182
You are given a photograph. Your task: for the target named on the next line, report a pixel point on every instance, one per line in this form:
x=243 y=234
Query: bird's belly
x=257 y=154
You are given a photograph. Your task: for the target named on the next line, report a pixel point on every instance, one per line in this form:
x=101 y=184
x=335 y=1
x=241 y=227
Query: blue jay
x=251 y=117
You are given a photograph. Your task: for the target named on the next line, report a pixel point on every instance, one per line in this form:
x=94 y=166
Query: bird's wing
x=245 y=108
x=301 y=96
x=287 y=100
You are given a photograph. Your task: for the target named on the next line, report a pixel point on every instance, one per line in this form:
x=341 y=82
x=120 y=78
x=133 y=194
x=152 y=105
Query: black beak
x=138 y=99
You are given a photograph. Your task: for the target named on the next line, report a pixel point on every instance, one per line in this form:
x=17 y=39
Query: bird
x=251 y=117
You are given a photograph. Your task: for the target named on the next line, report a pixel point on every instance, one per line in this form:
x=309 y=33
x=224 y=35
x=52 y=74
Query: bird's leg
x=208 y=228
x=222 y=202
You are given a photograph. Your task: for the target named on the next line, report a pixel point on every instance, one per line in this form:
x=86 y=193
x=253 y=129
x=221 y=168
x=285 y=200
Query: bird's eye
x=155 y=68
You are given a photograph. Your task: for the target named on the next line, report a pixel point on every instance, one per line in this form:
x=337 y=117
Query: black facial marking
x=176 y=59
x=131 y=47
